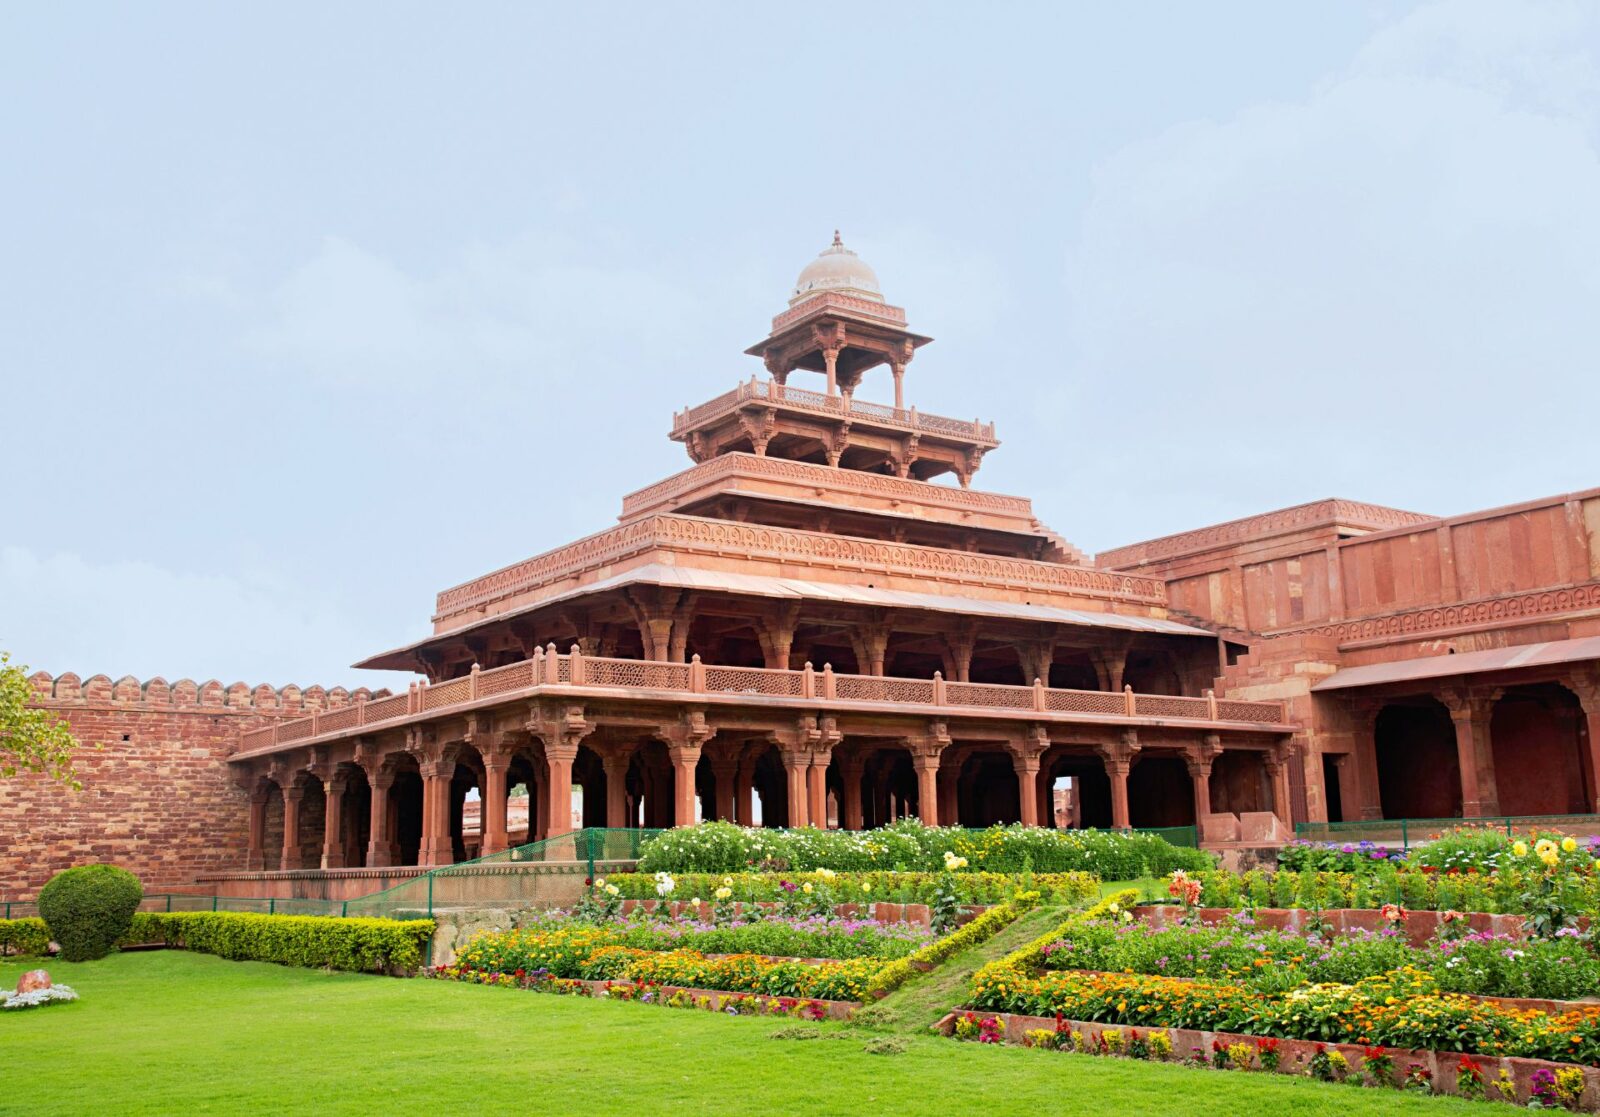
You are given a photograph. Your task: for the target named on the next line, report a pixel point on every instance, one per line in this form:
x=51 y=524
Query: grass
x=1149 y=888
x=169 y=1032
x=924 y=999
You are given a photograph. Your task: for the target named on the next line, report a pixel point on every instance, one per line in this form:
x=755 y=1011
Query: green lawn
x=168 y=1032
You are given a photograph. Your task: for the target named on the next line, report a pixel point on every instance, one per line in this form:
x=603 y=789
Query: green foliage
x=31 y=739
x=382 y=945
x=1512 y=890
x=847 y=887
x=88 y=909
x=23 y=936
x=979 y=930
x=721 y=847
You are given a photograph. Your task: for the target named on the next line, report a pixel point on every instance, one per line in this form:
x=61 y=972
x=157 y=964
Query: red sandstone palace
x=812 y=621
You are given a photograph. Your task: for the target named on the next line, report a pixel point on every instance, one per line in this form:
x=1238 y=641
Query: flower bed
x=1514 y=1080
x=1402 y=1009
x=720 y=847
x=1466 y=848
x=669 y=996
x=971 y=886
x=1504 y=892
x=1242 y=950
x=600 y=953
x=681 y=926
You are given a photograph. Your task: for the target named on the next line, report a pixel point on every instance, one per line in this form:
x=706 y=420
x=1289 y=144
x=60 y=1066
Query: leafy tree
x=31 y=739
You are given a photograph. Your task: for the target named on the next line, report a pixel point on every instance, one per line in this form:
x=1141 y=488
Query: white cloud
x=349 y=314
x=62 y=613
x=1385 y=284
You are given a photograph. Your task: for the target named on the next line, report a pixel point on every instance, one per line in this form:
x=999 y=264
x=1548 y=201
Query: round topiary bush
x=87 y=909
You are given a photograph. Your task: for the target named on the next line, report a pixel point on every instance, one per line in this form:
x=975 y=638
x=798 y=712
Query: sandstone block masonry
x=158 y=797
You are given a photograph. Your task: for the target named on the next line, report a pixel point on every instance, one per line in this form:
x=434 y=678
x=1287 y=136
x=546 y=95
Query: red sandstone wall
x=157 y=797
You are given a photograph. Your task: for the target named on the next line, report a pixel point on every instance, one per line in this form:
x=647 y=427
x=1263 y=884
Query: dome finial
x=837 y=243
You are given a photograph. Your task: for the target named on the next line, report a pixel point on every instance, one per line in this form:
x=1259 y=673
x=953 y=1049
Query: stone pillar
x=725 y=777
x=1198 y=759
x=1027 y=769
x=436 y=847
x=1278 y=760
x=926 y=762
x=1118 y=759
x=817 y=789
x=949 y=799
x=850 y=773
x=255 y=858
x=495 y=838
x=795 y=765
x=1587 y=687
x=744 y=807
x=380 y=847
x=684 y=759
x=616 y=764
x=291 y=827
x=333 y=820
x=1470 y=714
x=898 y=368
x=1368 y=802
x=558 y=758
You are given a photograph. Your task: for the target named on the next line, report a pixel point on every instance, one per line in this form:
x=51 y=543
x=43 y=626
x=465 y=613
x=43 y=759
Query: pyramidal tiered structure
x=810 y=625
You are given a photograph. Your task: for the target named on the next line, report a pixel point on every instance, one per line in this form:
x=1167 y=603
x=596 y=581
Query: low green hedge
x=979 y=930
x=1500 y=892
x=23 y=936
x=290 y=940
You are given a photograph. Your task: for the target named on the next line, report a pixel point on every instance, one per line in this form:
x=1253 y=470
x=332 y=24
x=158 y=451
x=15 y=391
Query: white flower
x=612 y=890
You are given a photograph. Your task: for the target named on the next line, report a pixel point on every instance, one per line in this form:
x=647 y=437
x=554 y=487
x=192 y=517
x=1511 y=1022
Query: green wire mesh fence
x=1403 y=833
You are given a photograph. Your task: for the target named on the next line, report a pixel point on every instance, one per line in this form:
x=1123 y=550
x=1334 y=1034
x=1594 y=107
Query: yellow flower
x=1569 y=845
x=1520 y=849
x=806 y=888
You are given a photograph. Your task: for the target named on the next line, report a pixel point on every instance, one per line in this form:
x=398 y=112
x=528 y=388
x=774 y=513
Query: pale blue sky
x=306 y=314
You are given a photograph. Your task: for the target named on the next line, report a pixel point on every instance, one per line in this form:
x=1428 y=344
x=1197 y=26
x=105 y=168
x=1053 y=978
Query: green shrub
x=383 y=945
x=23 y=936
x=979 y=930
x=88 y=909
x=721 y=847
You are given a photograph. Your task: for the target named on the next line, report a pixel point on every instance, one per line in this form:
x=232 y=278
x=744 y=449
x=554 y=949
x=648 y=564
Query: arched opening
x=769 y=790
x=987 y=791
x=889 y=787
x=524 y=799
x=1152 y=673
x=1073 y=670
x=589 y=788
x=305 y=849
x=650 y=783
x=404 y=816
x=466 y=805
x=1080 y=786
x=1160 y=792
x=355 y=817
x=1419 y=771
x=1539 y=759
x=1240 y=783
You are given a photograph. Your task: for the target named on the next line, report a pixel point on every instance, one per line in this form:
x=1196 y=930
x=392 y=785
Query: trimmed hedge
x=88 y=908
x=313 y=941
x=23 y=936
x=936 y=953
x=909 y=846
x=1499 y=892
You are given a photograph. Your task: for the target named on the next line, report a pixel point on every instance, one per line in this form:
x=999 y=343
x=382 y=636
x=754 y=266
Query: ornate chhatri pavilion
x=812 y=617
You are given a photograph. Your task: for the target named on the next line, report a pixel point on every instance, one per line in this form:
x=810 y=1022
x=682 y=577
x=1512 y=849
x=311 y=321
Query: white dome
x=837 y=269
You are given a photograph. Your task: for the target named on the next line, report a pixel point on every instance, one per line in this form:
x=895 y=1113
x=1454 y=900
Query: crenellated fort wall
x=157 y=794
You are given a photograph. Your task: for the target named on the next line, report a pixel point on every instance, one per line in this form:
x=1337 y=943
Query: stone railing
x=1370 y=516
x=822 y=476
x=802 y=399
x=548 y=668
x=824 y=301
x=791 y=545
